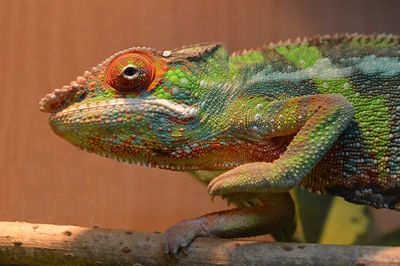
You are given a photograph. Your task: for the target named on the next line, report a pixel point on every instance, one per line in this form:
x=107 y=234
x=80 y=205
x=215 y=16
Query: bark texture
x=44 y=244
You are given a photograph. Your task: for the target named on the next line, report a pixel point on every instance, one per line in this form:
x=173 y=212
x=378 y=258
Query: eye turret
x=130 y=73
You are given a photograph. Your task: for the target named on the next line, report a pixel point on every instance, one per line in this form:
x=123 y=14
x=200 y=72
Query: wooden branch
x=44 y=244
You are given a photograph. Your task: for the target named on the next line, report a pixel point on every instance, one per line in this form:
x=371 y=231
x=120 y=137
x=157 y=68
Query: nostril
x=82 y=95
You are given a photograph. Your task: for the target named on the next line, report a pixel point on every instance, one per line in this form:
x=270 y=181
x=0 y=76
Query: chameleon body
x=322 y=113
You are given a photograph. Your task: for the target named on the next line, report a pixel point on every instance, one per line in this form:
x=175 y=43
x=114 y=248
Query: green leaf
x=312 y=211
x=347 y=223
x=330 y=220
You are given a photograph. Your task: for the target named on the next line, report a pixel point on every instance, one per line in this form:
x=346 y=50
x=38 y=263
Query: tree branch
x=44 y=244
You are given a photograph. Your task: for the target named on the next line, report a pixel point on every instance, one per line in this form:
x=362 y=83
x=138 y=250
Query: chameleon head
x=140 y=105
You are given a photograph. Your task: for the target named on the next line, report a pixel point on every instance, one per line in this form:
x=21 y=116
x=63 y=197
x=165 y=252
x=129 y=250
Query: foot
x=247 y=178
x=179 y=236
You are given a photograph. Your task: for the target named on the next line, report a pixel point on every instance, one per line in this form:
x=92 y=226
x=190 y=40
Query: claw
x=165 y=248
x=212 y=198
x=175 y=246
x=229 y=202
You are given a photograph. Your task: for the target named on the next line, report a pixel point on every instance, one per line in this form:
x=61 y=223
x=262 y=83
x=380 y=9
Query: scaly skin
x=322 y=113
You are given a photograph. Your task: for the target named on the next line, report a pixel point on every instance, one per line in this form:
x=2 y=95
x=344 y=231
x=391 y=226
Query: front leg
x=275 y=213
x=317 y=121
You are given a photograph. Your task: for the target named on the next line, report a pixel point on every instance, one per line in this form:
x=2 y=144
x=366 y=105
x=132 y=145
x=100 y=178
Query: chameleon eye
x=130 y=73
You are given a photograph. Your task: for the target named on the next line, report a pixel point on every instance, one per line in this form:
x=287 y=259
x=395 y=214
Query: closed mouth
x=181 y=111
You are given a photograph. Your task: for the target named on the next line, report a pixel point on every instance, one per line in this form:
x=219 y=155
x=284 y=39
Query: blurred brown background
x=46 y=44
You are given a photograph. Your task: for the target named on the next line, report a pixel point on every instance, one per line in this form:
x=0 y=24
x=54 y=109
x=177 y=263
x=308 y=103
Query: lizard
x=322 y=113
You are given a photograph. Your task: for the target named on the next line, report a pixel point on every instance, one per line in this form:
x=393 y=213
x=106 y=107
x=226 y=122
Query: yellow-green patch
x=302 y=56
x=345 y=224
x=371 y=113
x=238 y=61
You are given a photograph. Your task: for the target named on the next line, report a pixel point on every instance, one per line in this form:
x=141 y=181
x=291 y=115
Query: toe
x=178 y=237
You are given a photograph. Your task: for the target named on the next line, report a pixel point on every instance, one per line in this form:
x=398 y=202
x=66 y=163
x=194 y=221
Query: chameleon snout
x=61 y=98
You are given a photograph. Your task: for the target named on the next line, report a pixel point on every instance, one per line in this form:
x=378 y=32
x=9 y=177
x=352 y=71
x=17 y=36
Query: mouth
x=81 y=123
x=172 y=109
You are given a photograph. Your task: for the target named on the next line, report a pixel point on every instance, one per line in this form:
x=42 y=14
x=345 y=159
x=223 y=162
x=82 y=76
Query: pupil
x=130 y=71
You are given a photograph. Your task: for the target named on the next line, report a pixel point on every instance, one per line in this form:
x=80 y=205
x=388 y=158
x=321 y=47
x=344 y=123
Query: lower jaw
x=181 y=164
x=176 y=167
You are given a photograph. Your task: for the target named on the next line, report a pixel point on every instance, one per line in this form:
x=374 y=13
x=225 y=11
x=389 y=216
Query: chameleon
x=322 y=113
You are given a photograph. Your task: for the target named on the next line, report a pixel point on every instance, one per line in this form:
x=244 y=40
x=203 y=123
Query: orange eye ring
x=130 y=73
